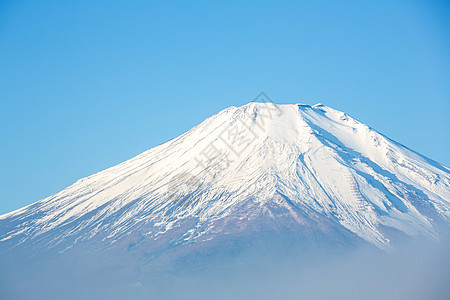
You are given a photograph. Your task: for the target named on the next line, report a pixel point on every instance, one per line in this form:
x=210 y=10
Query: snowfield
x=289 y=165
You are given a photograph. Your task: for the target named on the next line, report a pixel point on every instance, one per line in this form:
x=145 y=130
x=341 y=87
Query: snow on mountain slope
x=313 y=163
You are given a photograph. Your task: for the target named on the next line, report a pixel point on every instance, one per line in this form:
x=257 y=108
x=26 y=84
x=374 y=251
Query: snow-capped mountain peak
x=308 y=166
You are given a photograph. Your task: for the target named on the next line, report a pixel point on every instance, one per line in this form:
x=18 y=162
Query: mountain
x=295 y=174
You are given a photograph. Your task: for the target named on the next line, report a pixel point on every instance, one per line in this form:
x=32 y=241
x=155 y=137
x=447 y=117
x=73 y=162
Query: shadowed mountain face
x=270 y=180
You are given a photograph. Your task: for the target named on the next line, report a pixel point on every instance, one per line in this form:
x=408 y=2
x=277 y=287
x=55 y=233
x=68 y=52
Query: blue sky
x=85 y=85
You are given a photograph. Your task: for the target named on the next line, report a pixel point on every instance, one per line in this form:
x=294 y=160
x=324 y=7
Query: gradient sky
x=85 y=85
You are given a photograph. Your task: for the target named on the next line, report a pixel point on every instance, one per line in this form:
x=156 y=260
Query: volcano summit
x=251 y=174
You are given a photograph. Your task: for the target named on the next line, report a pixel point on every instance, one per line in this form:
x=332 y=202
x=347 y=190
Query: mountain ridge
x=260 y=160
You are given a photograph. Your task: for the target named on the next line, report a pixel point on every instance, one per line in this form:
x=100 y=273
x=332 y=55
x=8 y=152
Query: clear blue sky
x=85 y=85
